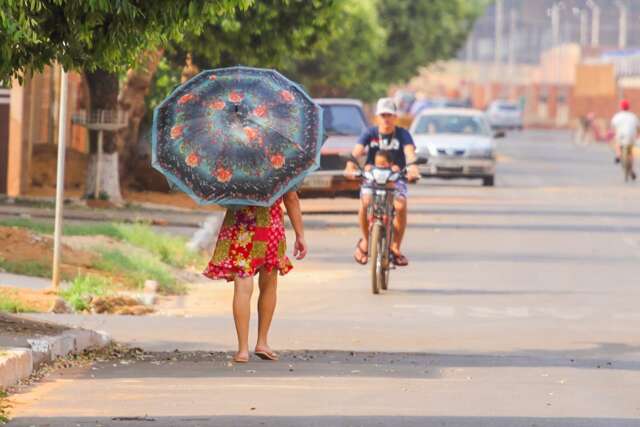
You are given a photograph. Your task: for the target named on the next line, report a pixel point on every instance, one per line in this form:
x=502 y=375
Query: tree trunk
x=103 y=95
x=132 y=100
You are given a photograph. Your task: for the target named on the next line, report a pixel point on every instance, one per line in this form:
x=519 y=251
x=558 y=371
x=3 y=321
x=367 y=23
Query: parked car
x=505 y=115
x=458 y=143
x=344 y=121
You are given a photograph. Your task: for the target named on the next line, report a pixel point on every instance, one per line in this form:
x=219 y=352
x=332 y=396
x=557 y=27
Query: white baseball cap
x=386 y=106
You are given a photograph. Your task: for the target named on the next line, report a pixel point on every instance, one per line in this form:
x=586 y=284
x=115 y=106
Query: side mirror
x=499 y=134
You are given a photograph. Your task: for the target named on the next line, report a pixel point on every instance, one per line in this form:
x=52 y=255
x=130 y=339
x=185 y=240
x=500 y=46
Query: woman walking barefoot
x=252 y=241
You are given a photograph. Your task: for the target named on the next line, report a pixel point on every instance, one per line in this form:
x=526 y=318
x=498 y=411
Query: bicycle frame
x=381 y=210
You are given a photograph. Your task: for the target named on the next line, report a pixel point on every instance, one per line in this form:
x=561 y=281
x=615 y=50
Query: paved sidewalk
x=160 y=214
x=27 y=343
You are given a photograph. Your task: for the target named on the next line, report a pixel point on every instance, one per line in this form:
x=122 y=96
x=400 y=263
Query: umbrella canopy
x=237 y=136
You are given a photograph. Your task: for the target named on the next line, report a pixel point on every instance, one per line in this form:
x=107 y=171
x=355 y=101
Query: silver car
x=458 y=143
x=505 y=115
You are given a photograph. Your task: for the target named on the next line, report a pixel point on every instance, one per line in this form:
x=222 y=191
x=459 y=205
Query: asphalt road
x=519 y=308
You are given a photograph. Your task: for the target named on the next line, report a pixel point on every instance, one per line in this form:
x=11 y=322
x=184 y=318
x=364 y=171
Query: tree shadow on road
x=332 y=363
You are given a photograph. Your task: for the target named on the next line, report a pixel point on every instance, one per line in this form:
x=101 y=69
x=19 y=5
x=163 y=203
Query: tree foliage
x=95 y=34
x=269 y=34
x=420 y=32
x=348 y=67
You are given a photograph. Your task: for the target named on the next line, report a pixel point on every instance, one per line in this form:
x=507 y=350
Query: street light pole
x=622 y=26
x=499 y=24
x=595 y=23
x=513 y=23
x=62 y=129
x=584 y=24
x=555 y=40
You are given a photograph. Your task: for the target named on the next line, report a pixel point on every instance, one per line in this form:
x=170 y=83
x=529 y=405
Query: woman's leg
x=266 y=307
x=242 y=313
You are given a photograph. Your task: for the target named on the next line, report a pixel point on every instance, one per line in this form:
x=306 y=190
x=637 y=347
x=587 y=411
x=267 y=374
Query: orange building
x=29 y=124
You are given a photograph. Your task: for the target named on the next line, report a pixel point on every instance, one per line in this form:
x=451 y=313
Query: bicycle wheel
x=626 y=164
x=386 y=264
x=376 y=257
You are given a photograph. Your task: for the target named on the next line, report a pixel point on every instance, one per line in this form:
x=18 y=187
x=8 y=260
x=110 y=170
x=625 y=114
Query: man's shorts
x=401 y=190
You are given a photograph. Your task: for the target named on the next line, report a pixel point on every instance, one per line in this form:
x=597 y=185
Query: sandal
x=398 y=259
x=361 y=256
x=267 y=355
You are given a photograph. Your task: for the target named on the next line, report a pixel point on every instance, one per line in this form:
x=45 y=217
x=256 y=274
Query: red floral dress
x=251 y=239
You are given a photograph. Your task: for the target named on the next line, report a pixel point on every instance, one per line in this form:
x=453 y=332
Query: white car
x=457 y=142
x=505 y=115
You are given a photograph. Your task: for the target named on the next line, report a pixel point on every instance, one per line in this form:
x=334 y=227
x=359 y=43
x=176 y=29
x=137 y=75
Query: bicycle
x=381 y=213
x=626 y=161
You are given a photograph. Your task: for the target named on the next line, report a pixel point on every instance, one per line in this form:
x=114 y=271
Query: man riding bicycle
x=625 y=124
x=397 y=141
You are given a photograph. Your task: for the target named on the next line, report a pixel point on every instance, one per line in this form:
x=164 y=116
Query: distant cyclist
x=625 y=125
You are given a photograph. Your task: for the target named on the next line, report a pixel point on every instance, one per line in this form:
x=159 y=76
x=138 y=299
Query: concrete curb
x=18 y=363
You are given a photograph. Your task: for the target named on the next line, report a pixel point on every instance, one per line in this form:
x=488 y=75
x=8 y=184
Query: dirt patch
x=21 y=245
x=177 y=199
x=38 y=300
x=21 y=326
x=44 y=163
x=119 y=304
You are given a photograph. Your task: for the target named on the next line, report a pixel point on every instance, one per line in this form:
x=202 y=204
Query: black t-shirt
x=393 y=143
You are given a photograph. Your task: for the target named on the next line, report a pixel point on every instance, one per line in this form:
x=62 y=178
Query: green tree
x=101 y=38
x=421 y=32
x=348 y=67
x=270 y=33
x=95 y=34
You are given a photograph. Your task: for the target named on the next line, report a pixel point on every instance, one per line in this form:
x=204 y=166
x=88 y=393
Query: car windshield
x=452 y=124
x=343 y=119
x=508 y=107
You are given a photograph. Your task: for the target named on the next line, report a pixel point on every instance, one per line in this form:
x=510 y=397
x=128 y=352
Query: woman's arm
x=292 y=204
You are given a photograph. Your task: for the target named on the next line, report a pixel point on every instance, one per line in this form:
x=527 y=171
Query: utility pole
x=62 y=142
x=622 y=26
x=584 y=27
x=555 y=25
x=513 y=23
x=555 y=40
x=499 y=24
x=595 y=23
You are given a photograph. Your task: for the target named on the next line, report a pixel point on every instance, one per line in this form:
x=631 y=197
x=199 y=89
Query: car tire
x=488 y=181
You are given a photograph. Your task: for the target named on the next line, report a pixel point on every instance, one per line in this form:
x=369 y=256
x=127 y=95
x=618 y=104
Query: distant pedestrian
x=252 y=242
x=586 y=130
x=625 y=124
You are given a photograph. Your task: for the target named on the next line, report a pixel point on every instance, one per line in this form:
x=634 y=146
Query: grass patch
x=27 y=268
x=171 y=250
x=4 y=408
x=39 y=227
x=85 y=286
x=136 y=268
x=11 y=305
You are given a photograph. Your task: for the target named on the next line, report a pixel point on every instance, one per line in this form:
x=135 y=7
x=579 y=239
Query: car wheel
x=488 y=181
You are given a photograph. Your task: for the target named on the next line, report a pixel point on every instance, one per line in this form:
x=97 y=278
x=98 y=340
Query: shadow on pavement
x=352 y=421
x=326 y=363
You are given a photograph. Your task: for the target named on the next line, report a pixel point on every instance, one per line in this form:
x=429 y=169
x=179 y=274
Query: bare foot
x=241 y=357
